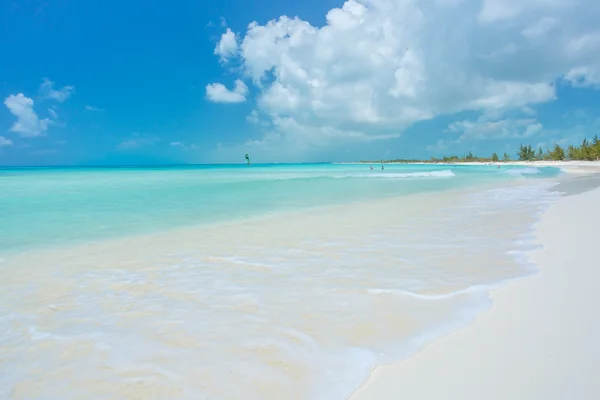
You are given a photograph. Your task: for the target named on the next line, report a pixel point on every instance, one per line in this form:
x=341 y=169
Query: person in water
x=382 y=167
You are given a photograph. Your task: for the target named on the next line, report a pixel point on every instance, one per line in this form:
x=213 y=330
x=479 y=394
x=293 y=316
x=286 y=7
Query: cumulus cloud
x=584 y=76
x=218 y=93
x=255 y=118
x=47 y=91
x=378 y=66
x=28 y=123
x=228 y=46
x=485 y=128
x=4 y=142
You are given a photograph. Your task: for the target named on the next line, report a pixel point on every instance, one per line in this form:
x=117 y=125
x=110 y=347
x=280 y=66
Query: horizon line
x=159 y=165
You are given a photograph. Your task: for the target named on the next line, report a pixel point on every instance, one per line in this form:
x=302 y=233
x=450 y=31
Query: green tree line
x=588 y=150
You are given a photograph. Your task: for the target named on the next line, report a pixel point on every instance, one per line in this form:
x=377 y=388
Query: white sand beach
x=540 y=340
x=300 y=303
x=570 y=166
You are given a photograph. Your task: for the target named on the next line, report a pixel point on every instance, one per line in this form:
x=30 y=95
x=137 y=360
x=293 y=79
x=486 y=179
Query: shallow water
x=298 y=302
x=54 y=206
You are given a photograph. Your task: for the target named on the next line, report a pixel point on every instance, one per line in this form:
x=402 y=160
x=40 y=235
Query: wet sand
x=540 y=340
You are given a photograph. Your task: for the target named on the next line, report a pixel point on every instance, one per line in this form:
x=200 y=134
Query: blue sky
x=195 y=82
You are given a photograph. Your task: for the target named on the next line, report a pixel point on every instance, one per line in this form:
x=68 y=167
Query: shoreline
x=348 y=206
x=566 y=163
x=470 y=363
x=583 y=167
x=234 y=224
x=244 y=271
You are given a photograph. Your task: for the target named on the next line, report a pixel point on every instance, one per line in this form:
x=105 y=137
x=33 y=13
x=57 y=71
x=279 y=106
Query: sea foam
x=294 y=305
x=446 y=173
x=523 y=171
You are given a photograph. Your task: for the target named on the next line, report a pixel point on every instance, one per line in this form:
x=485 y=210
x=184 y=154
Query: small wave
x=523 y=171
x=446 y=173
x=441 y=296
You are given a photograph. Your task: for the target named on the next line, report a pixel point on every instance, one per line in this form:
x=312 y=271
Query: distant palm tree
x=526 y=153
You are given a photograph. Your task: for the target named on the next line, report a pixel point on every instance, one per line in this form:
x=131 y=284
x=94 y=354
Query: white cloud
x=528 y=110
x=484 y=129
x=4 y=142
x=573 y=135
x=218 y=93
x=440 y=145
x=378 y=66
x=286 y=139
x=583 y=76
x=578 y=113
x=253 y=117
x=136 y=141
x=227 y=46
x=506 y=50
x=90 y=108
x=28 y=123
x=183 y=145
x=47 y=91
x=494 y=11
x=53 y=113
x=540 y=28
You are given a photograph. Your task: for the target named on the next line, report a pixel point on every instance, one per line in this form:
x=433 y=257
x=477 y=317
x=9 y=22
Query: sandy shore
x=540 y=340
x=570 y=166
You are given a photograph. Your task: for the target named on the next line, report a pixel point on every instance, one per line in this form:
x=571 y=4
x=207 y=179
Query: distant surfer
x=371 y=168
x=382 y=167
x=247 y=159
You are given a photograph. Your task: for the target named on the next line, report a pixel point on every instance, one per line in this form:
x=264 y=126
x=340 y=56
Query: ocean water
x=48 y=206
x=228 y=282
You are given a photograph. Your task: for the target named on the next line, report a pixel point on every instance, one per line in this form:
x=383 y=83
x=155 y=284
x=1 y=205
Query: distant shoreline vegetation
x=589 y=150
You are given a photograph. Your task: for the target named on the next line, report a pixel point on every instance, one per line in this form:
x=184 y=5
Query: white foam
x=523 y=171
x=348 y=174
x=468 y=290
x=395 y=175
x=185 y=315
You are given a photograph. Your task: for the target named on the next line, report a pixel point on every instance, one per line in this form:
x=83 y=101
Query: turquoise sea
x=50 y=206
x=236 y=282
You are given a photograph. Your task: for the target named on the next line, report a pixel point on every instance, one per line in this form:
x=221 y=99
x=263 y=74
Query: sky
x=94 y=83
